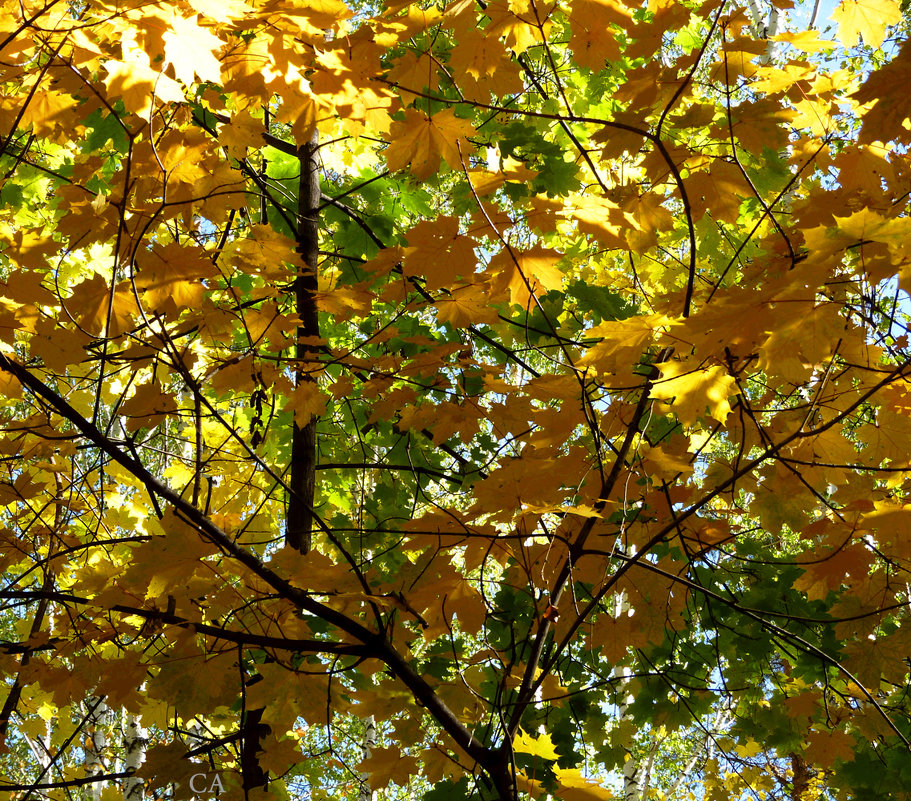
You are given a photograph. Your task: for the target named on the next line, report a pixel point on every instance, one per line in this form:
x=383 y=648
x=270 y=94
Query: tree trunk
x=97 y=721
x=134 y=748
x=369 y=743
x=252 y=732
x=302 y=483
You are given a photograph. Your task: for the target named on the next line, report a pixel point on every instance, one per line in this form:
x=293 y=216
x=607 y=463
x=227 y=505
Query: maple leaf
x=148 y=407
x=591 y=43
x=306 y=401
x=865 y=18
x=138 y=84
x=522 y=23
x=438 y=252
x=420 y=141
x=386 y=765
x=166 y=763
x=91 y=306
x=692 y=391
x=191 y=49
x=541 y=746
x=575 y=786
x=824 y=747
x=623 y=342
x=170 y=278
x=519 y=275
x=886 y=118
x=244 y=131
x=466 y=306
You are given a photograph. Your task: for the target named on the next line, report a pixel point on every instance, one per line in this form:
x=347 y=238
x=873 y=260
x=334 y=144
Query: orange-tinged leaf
x=438 y=253
x=420 y=141
x=522 y=23
x=165 y=764
x=867 y=19
x=886 y=120
x=807 y=40
x=91 y=301
x=718 y=191
x=825 y=747
x=386 y=765
x=243 y=131
x=479 y=54
x=416 y=71
x=148 y=407
x=592 y=40
x=465 y=306
x=10 y=388
x=170 y=277
x=804 y=704
x=280 y=754
x=521 y=274
x=48 y=109
x=307 y=402
x=601 y=218
x=623 y=343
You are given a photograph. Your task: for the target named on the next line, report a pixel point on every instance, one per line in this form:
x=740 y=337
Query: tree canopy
x=487 y=400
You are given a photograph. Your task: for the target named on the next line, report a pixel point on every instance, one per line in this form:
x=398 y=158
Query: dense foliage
x=514 y=393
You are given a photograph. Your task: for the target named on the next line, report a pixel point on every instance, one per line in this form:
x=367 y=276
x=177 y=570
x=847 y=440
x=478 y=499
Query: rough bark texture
x=303 y=444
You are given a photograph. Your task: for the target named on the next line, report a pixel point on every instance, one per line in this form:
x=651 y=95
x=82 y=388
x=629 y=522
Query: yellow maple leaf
x=623 y=342
x=522 y=274
x=691 y=391
x=419 y=141
x=91 y=301
x=576 y=787
x=191 y=49
x=601 y=218
x=416 y=71
x=521 y=23
x=808 y=41
x=541 y=746
x=591 y=40
x=438 y=252
x=148 y=407
x=170 y=277
x=48 y=110
x=478 y=54
x=242 y=132
x=136 y=83
x=306 y=401
x=386 y=765
x=467 y=305
x=865 y=18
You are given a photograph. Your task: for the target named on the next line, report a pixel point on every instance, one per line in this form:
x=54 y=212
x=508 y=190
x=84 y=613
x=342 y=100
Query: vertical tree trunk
x=369 y=743
x=801 y=778
x=252 y=732
x=631 y=766
x=97 y=721
x=303 y=443
x=134 y=755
